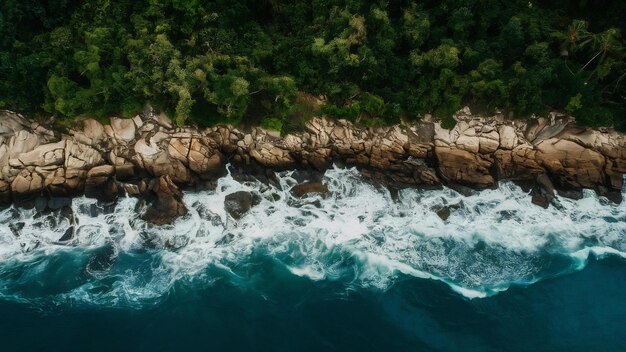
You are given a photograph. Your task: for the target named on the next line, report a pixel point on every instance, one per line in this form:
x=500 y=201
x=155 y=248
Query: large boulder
x=238 y=204
x=123 y=129
x=168 y=204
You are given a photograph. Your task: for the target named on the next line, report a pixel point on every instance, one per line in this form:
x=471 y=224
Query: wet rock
x=464 y=190
x=168 y=204
x=131 y=190
x=238 y=204
x=302 y=176
x=443 y=213
x=613 y=195
x=56 y=203
x=543 y=192
x=41 y=203
x=304 y=189
x=570 y=193
x=69 y=234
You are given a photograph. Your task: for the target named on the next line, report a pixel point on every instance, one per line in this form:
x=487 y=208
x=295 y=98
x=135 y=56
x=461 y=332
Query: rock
x=508 y=138
x=101 y=187
x=123 y=129
x=464 y=167
x=69 y=234
x=44 y=155
x=443 y=213
x=146 y=150
x=575 y=194
x=125 y=172
x=163 y=120
x=104 y=160
x=80 y=156
x=100 y=171
x=543 y=192
x=16 y=228
x=468 y=143
x=41 y=204
x=11 y=122
x=27 y=182
x=93 y=130
x=614 y=196
x=168 y=205
x=100 y=184
x=55 y=203
x=238 y=204
x=131 y=189
x=306 y=188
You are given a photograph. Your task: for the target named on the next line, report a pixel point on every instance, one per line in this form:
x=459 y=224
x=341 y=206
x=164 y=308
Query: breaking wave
x=358 y=236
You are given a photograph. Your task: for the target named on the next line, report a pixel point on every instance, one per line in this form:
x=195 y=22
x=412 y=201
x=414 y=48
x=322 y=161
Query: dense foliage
x=233 y=60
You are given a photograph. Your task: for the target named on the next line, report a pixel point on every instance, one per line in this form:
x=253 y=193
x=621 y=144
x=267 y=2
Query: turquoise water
x=355 y=271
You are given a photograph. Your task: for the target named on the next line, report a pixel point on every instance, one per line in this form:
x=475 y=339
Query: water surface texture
x=352 y=271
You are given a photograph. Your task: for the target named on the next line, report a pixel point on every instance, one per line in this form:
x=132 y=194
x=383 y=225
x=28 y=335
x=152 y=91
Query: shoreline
x=148 y=157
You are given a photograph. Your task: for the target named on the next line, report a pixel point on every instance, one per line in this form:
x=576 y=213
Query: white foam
x=358 y=235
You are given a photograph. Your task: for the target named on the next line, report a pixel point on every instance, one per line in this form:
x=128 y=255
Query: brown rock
x=543 y=192
x=93 y=130
x=460 y=166
x=123 y=129
x=124 y=172
x=306 y=188
x=508 y=137
x=168 y=204
x=99 y=171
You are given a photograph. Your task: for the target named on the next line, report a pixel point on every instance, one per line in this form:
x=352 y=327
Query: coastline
x=148 y=157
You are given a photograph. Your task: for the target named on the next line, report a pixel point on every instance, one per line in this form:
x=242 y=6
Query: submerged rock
x=168 y=204
x=238 y=204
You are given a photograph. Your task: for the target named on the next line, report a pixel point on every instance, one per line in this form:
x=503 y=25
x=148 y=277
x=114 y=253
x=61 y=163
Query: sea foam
x=357 y=236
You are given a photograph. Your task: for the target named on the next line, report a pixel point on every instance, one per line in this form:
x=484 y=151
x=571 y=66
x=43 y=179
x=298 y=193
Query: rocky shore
x=148 y=157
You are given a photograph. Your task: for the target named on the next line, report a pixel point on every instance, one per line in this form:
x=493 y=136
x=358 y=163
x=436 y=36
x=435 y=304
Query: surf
x=358 y=237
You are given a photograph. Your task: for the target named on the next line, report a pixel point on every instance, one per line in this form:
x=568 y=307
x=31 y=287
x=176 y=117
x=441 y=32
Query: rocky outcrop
x=479 y=151
x=105 y=160
x=238 y=204
x=168 y=204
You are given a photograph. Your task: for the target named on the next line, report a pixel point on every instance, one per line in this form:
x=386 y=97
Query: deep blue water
x=579 y=312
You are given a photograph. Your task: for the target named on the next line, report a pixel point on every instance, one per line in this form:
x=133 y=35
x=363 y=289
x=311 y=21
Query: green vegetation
x=236 y=61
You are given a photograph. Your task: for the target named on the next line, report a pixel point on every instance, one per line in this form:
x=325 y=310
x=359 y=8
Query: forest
x=256 y=61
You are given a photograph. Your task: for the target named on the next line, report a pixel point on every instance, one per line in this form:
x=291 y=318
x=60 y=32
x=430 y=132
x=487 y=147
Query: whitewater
x=358 y=237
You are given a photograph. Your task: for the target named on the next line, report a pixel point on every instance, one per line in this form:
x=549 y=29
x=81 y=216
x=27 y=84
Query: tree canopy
x=234 y=61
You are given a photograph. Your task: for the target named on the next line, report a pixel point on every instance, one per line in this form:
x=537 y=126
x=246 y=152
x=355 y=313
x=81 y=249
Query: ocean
x=354 y=271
